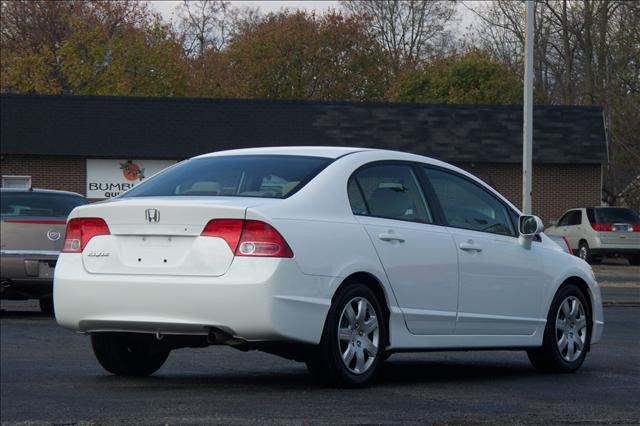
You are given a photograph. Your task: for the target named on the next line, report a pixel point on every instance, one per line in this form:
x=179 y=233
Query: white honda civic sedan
x=337 y=257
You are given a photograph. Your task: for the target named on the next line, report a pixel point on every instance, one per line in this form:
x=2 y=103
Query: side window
x=576 y=218
x=466 y=205
x=356 y=200
x=564 y=221
x=390 y=191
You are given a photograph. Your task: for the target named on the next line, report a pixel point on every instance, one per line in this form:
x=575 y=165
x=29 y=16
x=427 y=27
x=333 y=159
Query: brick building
x=58 y=140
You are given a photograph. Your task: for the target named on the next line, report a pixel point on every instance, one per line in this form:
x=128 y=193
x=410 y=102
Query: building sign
x=109 y=178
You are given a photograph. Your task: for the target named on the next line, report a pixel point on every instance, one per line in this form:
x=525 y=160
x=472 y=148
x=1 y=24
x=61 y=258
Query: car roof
x=41 y=191
x=310 y=151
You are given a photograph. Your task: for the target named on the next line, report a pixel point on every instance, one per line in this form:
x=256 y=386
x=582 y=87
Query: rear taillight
x=636 y=227
x=80 y=231
x=227 y=229
x=249 y=237
x=602 y=227
x=568 y=245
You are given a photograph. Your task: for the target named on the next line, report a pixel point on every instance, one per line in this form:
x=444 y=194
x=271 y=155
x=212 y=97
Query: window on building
x=16 y=182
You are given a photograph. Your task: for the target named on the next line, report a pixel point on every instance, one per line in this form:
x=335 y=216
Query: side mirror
x=553 y=222
x=530 y=225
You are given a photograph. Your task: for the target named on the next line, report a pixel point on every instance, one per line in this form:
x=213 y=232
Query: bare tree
x=586 y=52
x=203 y=24
x=410 y=30
x=211 y=24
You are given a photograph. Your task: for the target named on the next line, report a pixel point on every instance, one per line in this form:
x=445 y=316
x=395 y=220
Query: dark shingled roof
x=178 y=128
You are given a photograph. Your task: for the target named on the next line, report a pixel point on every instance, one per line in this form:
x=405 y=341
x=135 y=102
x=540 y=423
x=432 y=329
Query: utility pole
x=527 y=131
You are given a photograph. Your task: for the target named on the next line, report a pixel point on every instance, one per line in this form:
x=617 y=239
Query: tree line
x=587 y=52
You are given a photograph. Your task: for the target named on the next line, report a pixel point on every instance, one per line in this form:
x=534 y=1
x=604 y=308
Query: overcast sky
x=166 y=8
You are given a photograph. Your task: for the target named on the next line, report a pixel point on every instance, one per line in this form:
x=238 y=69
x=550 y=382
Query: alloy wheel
x=571 y=329
x=583 y=252
x=358 y=335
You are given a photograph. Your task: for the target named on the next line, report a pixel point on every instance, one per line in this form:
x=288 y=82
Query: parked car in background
x=595 y=232
x=32 y=225
x=332 y=256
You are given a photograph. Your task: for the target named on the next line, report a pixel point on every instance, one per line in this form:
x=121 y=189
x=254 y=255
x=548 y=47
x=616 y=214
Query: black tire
x=584 y=252
x=46 y=305
x=634 y=260
x=548 y=357
x=326 y=363
x=128 y=354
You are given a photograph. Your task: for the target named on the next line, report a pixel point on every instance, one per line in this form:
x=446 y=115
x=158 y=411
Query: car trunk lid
x=28 y=234
x=162 y=236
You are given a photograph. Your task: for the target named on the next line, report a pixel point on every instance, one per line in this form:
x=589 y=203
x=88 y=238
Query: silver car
x=32 y=226
x=596 y=232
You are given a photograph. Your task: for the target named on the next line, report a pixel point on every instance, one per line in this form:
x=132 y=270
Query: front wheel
x=352 y=344
x=584 y=252
x=567 y=333
x=128 y=354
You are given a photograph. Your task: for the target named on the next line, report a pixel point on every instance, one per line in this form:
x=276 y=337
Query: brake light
x=80 y=231
x=227 y=229
x=566 y=241
x=636 y=227
x=602 y=227
x=249 y=237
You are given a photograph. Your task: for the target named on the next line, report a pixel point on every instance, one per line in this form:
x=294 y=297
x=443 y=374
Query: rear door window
x=263 y=176
x=34 y=204
x=388 y=191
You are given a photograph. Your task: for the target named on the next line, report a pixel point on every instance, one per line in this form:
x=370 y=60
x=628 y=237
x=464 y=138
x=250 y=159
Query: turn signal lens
x=249 y=237
x=80 y=231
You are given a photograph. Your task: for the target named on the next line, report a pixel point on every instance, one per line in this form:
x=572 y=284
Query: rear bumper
x=257 y=299
x=26 y=274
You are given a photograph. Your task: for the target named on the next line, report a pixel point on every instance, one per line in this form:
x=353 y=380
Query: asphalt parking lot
x=49 y=375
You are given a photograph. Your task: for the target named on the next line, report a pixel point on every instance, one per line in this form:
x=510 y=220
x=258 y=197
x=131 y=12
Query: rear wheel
x=635 y=260
x=352 y=344
x=567 y=333
x=128 y=354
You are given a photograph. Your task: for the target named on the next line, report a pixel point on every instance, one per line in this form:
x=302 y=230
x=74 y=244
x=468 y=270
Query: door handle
x=391 y=237
x=470 y=247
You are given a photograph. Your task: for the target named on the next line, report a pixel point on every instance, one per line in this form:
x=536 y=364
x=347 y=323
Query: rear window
x=264 y=176
x=616 y=215
x=38 y=204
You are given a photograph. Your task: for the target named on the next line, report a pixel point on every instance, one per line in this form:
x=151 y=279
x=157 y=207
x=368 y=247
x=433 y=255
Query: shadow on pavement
x=24 y=314
x=391 y=373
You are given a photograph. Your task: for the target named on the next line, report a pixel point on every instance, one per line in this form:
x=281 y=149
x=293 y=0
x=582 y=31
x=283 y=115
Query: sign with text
x=109 y=178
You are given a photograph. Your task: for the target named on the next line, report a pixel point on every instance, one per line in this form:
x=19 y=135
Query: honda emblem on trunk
x=152 y=215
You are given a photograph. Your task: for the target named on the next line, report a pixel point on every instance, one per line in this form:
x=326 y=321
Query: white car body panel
x=497 y=298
